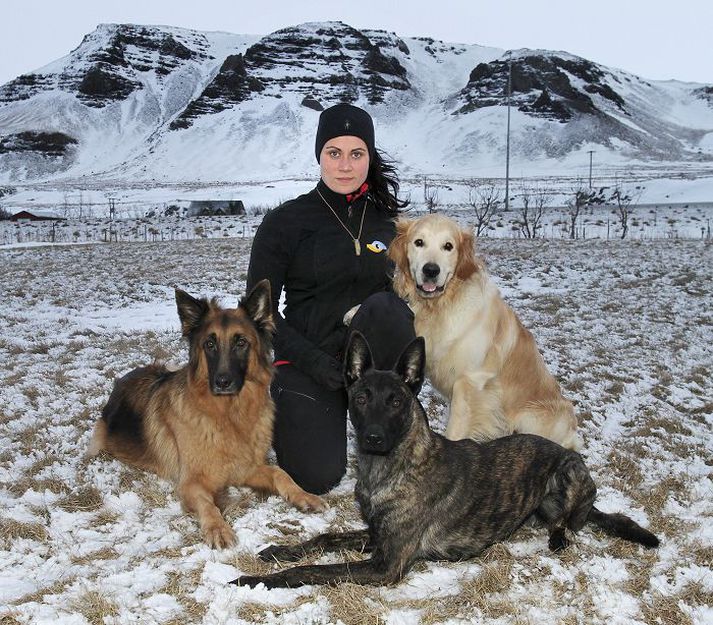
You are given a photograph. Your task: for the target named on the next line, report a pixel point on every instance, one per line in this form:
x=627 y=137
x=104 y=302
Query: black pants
x=310 y=437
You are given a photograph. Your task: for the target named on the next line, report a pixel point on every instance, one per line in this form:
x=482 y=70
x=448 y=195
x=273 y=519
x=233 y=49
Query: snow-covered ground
x=625 y=327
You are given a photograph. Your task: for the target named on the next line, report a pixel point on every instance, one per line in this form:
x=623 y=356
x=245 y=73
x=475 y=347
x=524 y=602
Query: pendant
x=357 y=247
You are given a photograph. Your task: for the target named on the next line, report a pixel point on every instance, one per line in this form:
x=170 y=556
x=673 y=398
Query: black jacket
x=302 y=247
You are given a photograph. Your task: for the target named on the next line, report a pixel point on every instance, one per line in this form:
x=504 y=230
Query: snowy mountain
x=169 y=104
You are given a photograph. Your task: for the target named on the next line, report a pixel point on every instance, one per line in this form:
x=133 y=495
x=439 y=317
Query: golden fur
x=478 y=353
x=173 y=424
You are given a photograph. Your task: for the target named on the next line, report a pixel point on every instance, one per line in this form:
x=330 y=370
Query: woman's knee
x=387 y=323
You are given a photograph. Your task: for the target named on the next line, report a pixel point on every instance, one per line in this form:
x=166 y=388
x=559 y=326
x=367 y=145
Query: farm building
x=35 y=215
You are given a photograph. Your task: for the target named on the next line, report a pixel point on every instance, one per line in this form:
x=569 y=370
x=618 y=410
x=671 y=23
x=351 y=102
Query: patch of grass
x=29 y=439
x=703 y=556
x=625 y=470
x=180 y=586
x=250 y=564
x=354 y=604
x=105 y=553
x=664 y=610
x=10 y=529
x=84 y=500
x=105 y=517
x=129 y=475
x=152 y=493
x=20 y=486
x=254 y=612
x=662 y=428
x=57 y=588
x=95 y=606
x=41 y=463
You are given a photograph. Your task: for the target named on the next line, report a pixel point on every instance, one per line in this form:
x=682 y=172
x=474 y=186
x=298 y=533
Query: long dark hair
x=384 y=184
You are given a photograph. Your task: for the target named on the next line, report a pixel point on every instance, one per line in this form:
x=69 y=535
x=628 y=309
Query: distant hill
x=168 y=104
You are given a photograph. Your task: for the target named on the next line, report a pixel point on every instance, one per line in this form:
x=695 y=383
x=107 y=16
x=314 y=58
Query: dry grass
x=105 y=517
x=180 y=586
x=20 y=486
x=355 y=605
x=253 y=612
x=94 y=606
x=11 y=530
x=86 y=499
x=106 y=553
x=662 y=610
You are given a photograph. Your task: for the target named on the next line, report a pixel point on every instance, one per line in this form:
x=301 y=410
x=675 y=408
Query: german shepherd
x=208 y=425
x=426 y=497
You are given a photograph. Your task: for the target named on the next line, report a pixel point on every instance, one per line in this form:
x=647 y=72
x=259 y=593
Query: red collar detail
x=357 y=194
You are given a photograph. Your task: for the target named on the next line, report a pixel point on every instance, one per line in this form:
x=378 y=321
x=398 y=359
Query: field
x=626 y=327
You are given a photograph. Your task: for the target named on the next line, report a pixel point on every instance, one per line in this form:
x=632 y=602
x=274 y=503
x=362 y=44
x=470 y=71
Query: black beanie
x=344 y=119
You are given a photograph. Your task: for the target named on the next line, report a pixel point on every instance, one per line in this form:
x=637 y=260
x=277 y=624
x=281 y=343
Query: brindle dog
x=426 y=497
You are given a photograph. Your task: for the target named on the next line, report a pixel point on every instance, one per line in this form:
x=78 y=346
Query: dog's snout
x=222 y=381
x=431 y=270
x=374 y=440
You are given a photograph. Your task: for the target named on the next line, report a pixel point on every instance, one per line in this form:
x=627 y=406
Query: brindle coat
x=426 y=497
x=208 y=425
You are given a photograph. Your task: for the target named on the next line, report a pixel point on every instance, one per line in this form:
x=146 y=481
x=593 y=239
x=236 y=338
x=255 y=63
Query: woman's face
x=344 y=163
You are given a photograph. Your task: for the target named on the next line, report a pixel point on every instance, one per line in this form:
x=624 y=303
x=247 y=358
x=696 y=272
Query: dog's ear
x=191 y=311
x=258 y=305
x=397 y=252
x=411 y=364
x=397 y=248
x=468 y=263
x=358 y=358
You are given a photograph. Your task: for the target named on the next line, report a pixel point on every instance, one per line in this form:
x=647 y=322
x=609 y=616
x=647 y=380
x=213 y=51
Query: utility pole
x=507 y=140
x=590 y=152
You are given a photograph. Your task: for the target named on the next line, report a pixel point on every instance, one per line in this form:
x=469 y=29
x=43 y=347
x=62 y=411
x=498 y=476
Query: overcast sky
x=651 y=38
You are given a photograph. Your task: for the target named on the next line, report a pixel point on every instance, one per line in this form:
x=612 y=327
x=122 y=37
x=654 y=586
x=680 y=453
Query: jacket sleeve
x=270 y=258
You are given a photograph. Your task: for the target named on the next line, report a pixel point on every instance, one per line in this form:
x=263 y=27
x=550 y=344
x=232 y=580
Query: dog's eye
x=360 y=399
x=209 y=345
x=418 y=242
x=396 y=402
x=448 y=246
x=240 y=341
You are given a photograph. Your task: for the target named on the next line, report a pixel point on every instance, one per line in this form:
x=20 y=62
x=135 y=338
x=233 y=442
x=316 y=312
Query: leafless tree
x=533 y=201
x=430 y=196
x=580 y=198
x=484 y=200
x=625 y=199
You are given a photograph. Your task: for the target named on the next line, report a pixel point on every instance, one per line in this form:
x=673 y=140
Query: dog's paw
x=309 y=503
x=558 y=541
x=269 y=581
x=349 y=315
x=219 y=535
x=246 y=580
x=281 y=553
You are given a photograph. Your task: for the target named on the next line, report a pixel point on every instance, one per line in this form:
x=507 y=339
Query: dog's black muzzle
x=225 y=384
x=373 y=440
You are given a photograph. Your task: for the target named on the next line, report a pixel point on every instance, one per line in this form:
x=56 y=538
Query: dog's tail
x=622 y=526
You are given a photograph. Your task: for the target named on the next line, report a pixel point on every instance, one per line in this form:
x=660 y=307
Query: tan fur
x=203 y=442
x=478 y=353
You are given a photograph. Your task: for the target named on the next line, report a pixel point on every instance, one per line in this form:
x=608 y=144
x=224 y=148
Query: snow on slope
x=425 y=96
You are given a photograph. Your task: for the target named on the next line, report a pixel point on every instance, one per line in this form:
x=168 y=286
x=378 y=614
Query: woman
x=327 y=249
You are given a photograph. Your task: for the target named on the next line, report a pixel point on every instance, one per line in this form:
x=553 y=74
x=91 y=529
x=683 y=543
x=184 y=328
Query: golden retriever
x=478 y=353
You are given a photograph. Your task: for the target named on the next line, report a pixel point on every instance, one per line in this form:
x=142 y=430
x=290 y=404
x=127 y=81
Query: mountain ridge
x=167 y=103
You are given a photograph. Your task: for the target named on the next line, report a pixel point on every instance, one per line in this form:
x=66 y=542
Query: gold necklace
x=357 y=243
